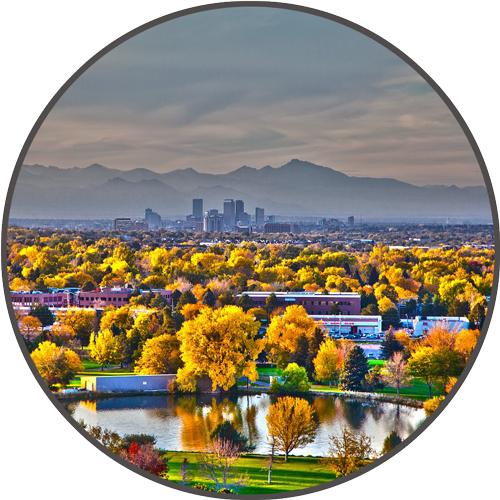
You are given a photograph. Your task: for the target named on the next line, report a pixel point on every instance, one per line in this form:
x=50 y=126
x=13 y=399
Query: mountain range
x=299 y=188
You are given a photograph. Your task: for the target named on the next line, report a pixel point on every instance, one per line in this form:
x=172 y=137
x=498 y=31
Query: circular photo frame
x=456 y=178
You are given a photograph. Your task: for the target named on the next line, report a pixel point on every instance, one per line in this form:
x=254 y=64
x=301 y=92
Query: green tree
x=245 y=302
x=354 y=370
x=291 y=424
x=390 y=442
x=390 y=345
x=226 y=430
x=294 y=380
x=272 y=303
x=43 y=313
x=390 y=317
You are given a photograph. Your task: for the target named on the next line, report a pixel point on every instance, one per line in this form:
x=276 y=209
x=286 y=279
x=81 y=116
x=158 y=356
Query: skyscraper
x=259 y=216
x=240 y=208
x=198 y=209
x=229 y=213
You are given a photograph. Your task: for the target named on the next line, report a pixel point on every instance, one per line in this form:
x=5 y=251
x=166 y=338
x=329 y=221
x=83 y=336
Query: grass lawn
x=417 y=390
x=297 y=473
x=93 y=369
x=266 y=371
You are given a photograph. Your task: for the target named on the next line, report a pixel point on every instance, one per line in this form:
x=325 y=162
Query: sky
x=256 y=86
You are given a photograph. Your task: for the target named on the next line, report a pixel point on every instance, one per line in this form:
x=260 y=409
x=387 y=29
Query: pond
x=185 y=422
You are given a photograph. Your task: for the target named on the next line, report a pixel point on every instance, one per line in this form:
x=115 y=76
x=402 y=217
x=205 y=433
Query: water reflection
x=186 y=422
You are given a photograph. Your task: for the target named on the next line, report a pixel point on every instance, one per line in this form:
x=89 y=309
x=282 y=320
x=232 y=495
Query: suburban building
x=364 y=325
x=60 y=298
x=423 y=324
x=314 y=303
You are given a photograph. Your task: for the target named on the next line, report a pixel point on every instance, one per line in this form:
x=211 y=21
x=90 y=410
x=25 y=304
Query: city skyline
x=230 y=87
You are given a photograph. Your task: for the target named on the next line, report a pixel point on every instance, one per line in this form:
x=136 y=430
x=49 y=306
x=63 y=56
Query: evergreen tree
x=334 y=309
x=88 y=286
x=42 y=312
x=390 y=345
x=390 y=318
x=390 y=442
x=354 y=370
x=315 y=342
x=245 y=302
x=226 y=430
x=209 y=298
x=186 y=298
x=272 y=303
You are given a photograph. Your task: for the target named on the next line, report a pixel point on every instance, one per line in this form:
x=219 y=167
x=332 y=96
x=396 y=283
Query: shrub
x=294 y=378
x=431 y=405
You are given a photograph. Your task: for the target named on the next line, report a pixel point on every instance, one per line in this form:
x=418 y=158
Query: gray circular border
x=275 y=5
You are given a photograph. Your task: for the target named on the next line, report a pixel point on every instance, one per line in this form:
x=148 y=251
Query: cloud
x=256 y=86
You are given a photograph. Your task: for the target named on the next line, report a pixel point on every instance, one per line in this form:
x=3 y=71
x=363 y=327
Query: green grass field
x=93 y=369
x=297 y=473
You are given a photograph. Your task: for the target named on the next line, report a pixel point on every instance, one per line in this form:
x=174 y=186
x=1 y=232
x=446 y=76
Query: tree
x=284 y=332
x=88 y=286
x=226 y=430
x=294 y=380
x=185 y=472
x=80 y=320
x=245 y=302
x=390 y=345
x=334 y=309
x=30 y=327
x=220 y=343
x=147 y=458
x=396 y=372
x=159 y=355
x=390 y=442
x=421 y=364
x=104 y=348
x=466 y=342
x=217 y=464
x=290 y=422
x=431 y=405
x=43 y=313
x=348 y=451
x=373 y=379
x=390 y=317
x=272 y=303
x=354 y=370
x=209 y=298
x=186 y=297
x=56 y=365
x=328 y=362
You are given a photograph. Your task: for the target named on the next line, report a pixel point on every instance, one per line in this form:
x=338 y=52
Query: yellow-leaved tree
x=285 y=331
x=291 y=424
x=56 y=365
x=328 y=362
x=104 y=348
x=219 y=343
x=160 y=355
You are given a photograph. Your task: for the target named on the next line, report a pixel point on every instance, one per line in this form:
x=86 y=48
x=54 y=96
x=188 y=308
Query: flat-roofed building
x=314 y=303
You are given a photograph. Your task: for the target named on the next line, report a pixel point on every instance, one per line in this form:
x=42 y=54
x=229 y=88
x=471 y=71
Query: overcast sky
x=256 y=86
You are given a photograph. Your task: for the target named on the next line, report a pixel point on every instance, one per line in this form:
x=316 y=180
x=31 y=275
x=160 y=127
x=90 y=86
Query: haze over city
x=256 y=86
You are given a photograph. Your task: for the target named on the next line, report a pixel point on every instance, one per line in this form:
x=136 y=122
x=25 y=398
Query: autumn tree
x=395 y=372
x=159 y=355
x=146 y=457
x=220 y=343
x=466 y=341
x=285 y=332
x=81 y=321
x=328 y=362
x=185 y=472
x=354 y=370
x=104 y=348
x=56 y=365
x=348 y=451
x=30 y=327
x=421 y=364
x=290 y=422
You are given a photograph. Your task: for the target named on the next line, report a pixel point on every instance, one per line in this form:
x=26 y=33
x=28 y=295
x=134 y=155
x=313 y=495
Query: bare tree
x=395 y=372
x=271 y=460
x=185 y=472
x=217 y=464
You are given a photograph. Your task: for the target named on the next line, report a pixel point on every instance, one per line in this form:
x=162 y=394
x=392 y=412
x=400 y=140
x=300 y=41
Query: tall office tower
x=229 y=213
x=259 y=216
x=240 y=208
x=198 y=209
x=213 y=223
x=153 y=219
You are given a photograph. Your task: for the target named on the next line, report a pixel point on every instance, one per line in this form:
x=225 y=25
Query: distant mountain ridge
x=298 y=188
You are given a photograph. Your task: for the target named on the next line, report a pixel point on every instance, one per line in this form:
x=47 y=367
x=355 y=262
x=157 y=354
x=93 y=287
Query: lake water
x=185 y=422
